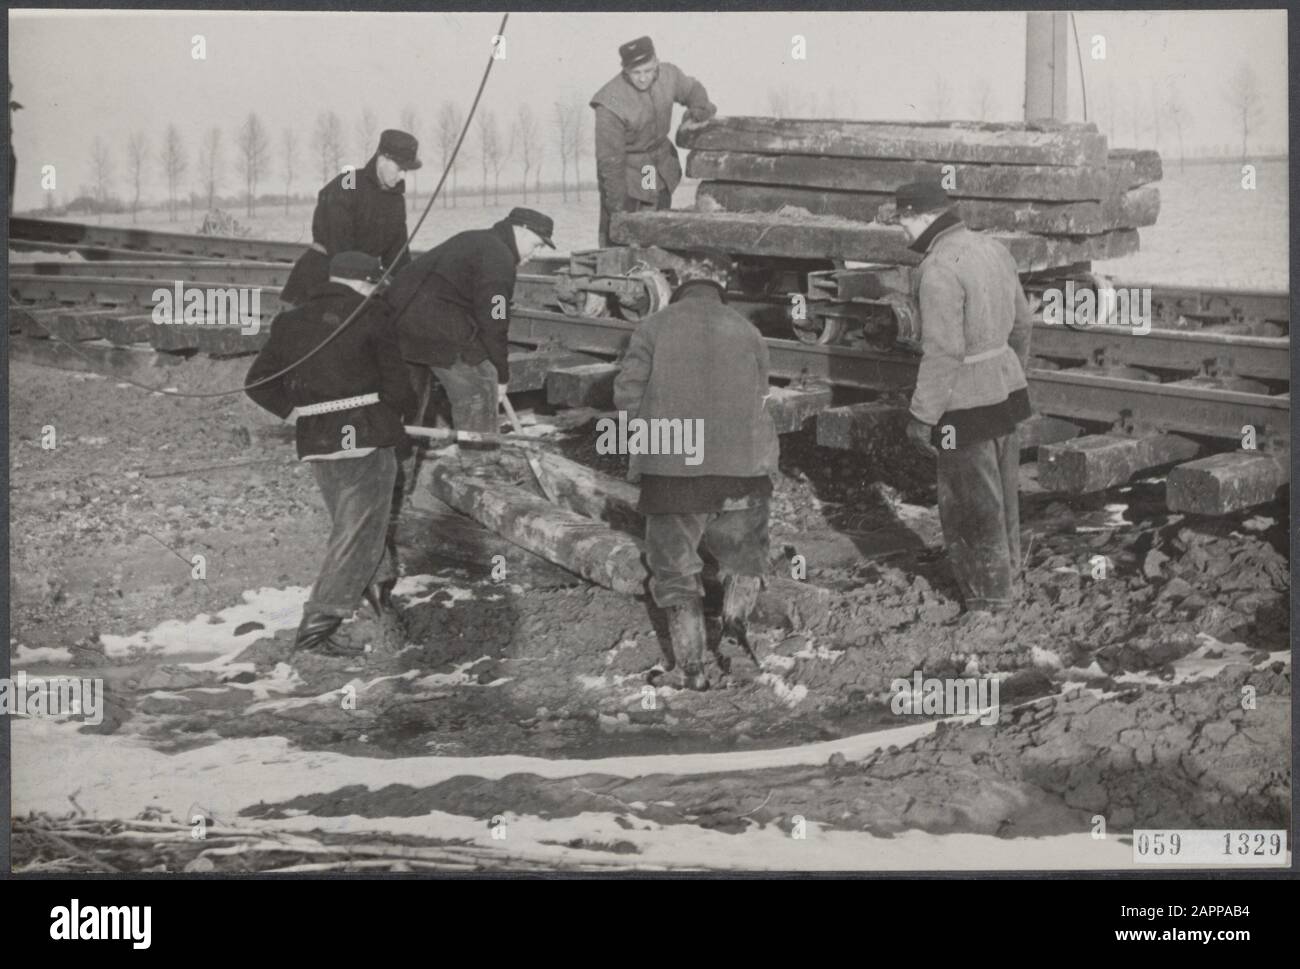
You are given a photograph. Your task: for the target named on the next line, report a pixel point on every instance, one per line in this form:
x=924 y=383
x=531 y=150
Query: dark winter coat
x=697 y=358
x=364 y=358
x=453 y=302
x=363 y=218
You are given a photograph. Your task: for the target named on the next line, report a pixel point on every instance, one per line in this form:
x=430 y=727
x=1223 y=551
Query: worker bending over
x=349 y=401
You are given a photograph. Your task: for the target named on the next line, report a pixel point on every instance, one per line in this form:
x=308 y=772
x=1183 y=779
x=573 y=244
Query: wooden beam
x=1223 y=483
x=586 y=385
x=823 y=237
x=1145 y=165
x=1041 y=429
x=528 y=368
x=859 y=427
x=590 y=493
x=92 y=358
x=1101 y=461
x=791 y=406
x=123 y=329
x=1013 y=144
x=1031 y=182
x=579 y=544
x=80 y=323
x=1133 y=209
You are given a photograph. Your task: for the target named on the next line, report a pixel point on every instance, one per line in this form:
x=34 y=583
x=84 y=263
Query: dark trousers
x=664 y=201
x=472 y=391
x=358 y=494
x=737 y=539
x=979 y=508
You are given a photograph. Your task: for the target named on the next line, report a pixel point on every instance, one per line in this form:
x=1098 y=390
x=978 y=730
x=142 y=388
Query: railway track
x=1210 y=396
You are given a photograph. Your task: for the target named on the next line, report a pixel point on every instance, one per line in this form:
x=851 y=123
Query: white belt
x=986 y=355
x=329 y=406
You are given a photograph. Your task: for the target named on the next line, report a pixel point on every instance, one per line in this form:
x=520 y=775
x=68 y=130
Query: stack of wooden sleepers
x=1052 y=192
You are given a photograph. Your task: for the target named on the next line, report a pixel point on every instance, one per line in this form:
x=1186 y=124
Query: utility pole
x=1047 y=67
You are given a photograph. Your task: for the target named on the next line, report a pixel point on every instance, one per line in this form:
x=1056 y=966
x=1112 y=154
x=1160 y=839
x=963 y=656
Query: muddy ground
x=1144 y=674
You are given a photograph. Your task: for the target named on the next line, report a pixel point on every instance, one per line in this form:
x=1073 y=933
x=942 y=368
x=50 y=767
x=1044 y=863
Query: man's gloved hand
x=919 y=434
x=700 y=115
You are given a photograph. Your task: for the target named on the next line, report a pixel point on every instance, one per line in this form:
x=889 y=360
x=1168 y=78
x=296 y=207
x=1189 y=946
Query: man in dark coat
x=452 y=307
x=699 y=364
x=636 y=163
x=971 y=390
x=350 y=401
x=359 y=211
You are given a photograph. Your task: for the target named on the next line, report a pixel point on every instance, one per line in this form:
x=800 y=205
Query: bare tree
x=578 y=112
x=563 y=129
x=254 y=150
x=411 y=125
x=1177 y=113
x=174 y=163
x=524 y=137
x=450 y=121
x=505 y=150
x=981 y=99
x=210 y=167
x=489 y=142
x=327 y=140
x=101 y=169
x=289 y=151
x=1244 y=99
x=366 y=130
x=137 y=159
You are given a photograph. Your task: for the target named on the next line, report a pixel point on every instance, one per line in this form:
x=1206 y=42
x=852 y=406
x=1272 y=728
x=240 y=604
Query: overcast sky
x=82 y=74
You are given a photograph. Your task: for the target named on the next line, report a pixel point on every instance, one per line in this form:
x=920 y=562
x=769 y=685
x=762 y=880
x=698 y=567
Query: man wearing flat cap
x=970 y=390
x=359 y=211
x=349 y=402
x=636 y=162
x=452 y=306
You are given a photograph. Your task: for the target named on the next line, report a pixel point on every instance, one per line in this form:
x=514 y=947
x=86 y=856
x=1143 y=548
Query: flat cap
x=921 y=197
x=541 y=224
x=636 y=52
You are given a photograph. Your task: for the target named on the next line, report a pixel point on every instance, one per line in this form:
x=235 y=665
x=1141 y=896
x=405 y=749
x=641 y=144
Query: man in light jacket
x=970 y=390
x=636 y=163
x=698 y=360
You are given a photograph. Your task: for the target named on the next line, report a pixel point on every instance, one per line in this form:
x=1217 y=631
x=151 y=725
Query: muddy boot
x=317 y=634
x=686 y=627
x=739 y=596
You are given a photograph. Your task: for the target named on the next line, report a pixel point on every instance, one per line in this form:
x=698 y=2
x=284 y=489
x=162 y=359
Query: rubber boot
x=686 y=629
x=739 y=596
x=316 y=632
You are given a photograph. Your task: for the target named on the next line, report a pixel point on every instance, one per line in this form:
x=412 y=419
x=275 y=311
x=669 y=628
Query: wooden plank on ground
x=592 y=494
x=80 y=323
x=93 y=358
x=1101 y=461
x=580 y=544
x=34 y=323
x=126 y=329
x=1133 y=209
x=1223 y=483
x=586 y=385
x=1032 y=182
x=1016 y=143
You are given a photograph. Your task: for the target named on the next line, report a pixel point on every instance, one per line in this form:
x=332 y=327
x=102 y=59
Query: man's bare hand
x=919 y=435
